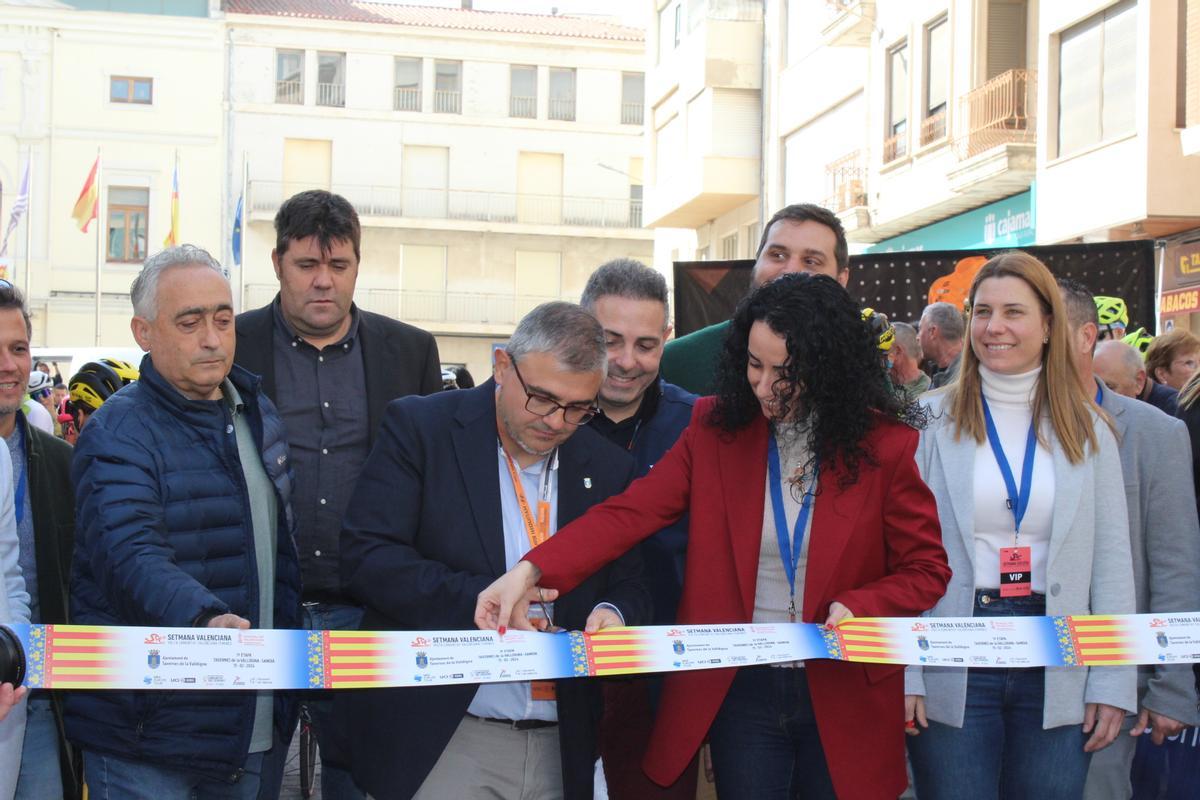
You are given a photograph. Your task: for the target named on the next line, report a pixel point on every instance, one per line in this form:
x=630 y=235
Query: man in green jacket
x=799 y=238
x=44 y=506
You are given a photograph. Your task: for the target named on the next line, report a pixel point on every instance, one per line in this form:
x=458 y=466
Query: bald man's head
x=1120 y=367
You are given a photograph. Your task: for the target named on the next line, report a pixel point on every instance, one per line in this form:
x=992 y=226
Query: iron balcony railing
x=406 y=98
x=847 y=182
x=563 y=109
x=1001 y=111
x=331 y=94
x=933 y=128
x=631 y=113
x=525 y=107
x=447 y=101
x=459 y=204
x=895 y=147
x=291 y=92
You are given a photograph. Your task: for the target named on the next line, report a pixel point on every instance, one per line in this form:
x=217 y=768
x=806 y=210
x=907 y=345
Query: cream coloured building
x=495 y=159
x=140 y=88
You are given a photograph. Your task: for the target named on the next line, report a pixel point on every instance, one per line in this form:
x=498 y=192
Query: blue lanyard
x=789 y=551
x=1018 y=501
x=19 y=497
x=1098 y=396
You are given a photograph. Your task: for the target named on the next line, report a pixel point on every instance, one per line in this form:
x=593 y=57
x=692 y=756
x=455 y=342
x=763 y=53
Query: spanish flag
x=173 y=234
x=87 y=207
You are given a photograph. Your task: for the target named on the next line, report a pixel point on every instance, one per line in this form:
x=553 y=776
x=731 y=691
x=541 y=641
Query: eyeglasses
x=542 y=406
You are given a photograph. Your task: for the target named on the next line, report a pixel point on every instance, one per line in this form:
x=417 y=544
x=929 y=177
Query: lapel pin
x=587 y=483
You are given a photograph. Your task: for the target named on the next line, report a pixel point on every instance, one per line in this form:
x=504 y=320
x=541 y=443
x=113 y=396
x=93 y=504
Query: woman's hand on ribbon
x=914 y=714
x=1103 y=722
x=506 y=601
x=838 y=614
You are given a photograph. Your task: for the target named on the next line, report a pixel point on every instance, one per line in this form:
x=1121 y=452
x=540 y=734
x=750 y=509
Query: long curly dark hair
x=833 y=376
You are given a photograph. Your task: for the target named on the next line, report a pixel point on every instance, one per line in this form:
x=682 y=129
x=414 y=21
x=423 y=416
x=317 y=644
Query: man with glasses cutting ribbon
x=459 y=486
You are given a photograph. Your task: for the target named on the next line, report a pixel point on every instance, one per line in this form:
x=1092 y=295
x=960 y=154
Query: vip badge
x=422 y=661
x=154 y=660
x=678 y=647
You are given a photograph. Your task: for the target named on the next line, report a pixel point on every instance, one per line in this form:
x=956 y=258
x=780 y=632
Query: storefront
x=1004 y=223
x=1179 y=304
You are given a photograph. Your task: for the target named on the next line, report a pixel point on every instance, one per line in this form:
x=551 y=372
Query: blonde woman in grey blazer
x=1020 y=733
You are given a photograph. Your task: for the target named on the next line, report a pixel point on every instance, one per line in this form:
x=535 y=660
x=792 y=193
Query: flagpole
x=101 y=224
x=28 y=221
x=241 y=255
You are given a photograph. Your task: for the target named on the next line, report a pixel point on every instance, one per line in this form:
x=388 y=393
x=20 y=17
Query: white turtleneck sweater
x=1010 y=399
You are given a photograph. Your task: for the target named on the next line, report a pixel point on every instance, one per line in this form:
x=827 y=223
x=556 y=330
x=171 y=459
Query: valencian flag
x=237 y=233
x=87 y=207
x=173 y=234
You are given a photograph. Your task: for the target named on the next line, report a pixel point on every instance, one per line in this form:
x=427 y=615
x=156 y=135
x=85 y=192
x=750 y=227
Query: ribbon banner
x=86 y=657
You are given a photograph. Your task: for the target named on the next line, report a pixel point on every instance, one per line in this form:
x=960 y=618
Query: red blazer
x=875 y=546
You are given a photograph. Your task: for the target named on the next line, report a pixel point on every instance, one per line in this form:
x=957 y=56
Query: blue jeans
x=110 y=778
x=764 y=740
x=336 y=782
x=1002 y=750
x=41 y=774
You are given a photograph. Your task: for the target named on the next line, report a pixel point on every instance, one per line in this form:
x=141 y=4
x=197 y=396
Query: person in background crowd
x=1055 y=544
x=1122 y=370
x=331 y=369
x=60 y=394
x=1172 y=358
x=94 y=383
x=37 y=388
x=45 y=518
x=41 y=391
x=805 y=504
x=799 y=238
x=53 y=373
x=14 y=610
x=1189 y=412
x=462 y=377
x=644 y=415
x=184 y=491
x=444 y=505
x=940 y=334
x=1112 y=317
x=1165 y=542
x=906 y=356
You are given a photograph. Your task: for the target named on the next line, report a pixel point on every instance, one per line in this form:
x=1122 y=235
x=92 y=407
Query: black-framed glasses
x=542 y=406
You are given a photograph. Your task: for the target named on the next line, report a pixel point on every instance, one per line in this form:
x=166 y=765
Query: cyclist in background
x=1114 y=317
x=95 y=382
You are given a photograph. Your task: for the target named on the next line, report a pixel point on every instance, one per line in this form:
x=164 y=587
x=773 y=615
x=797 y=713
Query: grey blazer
x=1088 y=568
x=1156 y=458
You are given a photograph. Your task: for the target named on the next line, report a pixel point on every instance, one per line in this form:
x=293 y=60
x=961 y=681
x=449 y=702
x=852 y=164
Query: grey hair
x=564 y=330
x=906 y=337
x=144 y=291
x=948 y=318
x=628 y=278
x=1131 y=359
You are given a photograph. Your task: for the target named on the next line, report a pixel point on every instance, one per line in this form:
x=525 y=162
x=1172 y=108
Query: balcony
x=846 y=179
x=331 y=94
x=447 y=101
x=895 y=147
x=631 y=113
x=851 y=23
x=397 y=202
x=290 y=92
x=406 y=98
x=562 y=108
x=523 y=107
x=933 y=128
x=997 y=146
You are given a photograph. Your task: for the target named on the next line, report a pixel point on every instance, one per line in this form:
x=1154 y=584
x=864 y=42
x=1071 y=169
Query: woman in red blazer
x=799 y=384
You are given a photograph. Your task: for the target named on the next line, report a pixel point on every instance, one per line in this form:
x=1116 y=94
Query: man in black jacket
x=45 y=513
x=445 y=504
x=331 y=369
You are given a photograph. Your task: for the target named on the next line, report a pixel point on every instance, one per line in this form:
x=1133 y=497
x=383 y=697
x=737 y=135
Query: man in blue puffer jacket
x=183 y=488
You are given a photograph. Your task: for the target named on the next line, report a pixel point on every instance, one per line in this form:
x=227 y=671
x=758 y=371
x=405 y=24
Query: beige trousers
x=490 y=761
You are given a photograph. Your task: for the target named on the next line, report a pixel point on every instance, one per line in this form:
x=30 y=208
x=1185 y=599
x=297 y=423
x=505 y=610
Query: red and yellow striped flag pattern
x=867 y=640
x=619 y=651
x=1101 y=640
x=80 y=657
x=356 y=660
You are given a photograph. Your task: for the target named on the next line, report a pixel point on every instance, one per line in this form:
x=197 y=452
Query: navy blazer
x=423 y=536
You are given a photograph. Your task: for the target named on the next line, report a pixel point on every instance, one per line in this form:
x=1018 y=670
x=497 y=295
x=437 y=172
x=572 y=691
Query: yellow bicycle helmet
x=97 y=381
x=127 y=372
x=884 y=333
x=1139 y=340
x=1112 y=312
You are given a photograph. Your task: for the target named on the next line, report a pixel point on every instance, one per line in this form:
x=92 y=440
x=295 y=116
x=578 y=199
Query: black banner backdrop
x=897 y=284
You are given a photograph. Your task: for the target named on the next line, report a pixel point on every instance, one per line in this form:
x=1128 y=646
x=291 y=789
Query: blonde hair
x=1058 y=390
x=1166 y=348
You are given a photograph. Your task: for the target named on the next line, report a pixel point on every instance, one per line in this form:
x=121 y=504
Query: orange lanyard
x=537 y=530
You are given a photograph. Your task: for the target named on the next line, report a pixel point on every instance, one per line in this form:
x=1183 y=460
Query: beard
x=521 y=443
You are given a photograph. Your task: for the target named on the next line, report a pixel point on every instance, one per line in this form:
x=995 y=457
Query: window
x=635 y=205
x=729 y=247
x=562 y=94
x=447 y=87
x=131 y=90
x=696 y=13
x=1096 y=77
x=633 y=97
x=331 y=79
x=289 y=76
x=668 y=29
x=406 y=92
x=522 y=98
x=937 y=76
x=128 y=208
x=895 y=143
